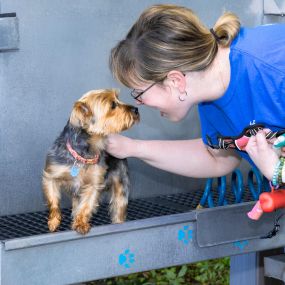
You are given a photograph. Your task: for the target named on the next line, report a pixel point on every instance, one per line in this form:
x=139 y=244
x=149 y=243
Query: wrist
x=277 y=173
x=135 y=148
x=273 y=170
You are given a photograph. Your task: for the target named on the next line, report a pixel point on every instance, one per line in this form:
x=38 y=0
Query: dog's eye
x=114 y=105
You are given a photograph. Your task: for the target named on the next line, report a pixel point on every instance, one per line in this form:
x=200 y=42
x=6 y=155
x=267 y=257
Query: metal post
x=244 y=269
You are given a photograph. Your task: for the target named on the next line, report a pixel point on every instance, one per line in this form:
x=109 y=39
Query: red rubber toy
x=268 y=202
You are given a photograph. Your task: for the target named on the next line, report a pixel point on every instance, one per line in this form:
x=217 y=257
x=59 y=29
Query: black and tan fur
x=95 y=115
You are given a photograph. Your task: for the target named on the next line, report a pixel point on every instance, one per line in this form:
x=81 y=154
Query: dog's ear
x=80 y=115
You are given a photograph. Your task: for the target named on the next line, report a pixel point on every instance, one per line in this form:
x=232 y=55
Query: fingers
x=261 y=141
x=262 y=154
x=257 y=143
x=118 y=145
x=267 y=131
x=251 y=145
x=111 y=138
x=111 y=143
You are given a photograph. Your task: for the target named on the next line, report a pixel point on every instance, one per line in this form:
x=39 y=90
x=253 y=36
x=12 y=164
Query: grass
x=215 y=271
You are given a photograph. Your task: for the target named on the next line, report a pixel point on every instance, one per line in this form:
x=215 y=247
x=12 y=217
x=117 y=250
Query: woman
x=235 y=75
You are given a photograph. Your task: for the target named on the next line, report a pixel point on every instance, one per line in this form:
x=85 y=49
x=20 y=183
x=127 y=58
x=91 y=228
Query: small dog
x=78 y=163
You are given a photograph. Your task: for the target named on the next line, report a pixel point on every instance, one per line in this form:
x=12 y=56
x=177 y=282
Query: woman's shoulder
x=264 y=43
x=259 y=37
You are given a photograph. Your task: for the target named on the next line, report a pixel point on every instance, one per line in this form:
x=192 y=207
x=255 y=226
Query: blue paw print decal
x=126 y=258
x=185 y=234
x=241 y=244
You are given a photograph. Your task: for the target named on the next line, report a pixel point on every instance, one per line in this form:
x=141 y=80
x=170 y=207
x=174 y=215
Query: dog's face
x=100 y=112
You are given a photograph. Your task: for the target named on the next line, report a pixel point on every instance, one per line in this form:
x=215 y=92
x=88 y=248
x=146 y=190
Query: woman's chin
x=175 y=120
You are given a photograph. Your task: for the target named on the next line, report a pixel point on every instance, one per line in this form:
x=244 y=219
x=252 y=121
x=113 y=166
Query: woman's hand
x=120 y=146
x=262 y=154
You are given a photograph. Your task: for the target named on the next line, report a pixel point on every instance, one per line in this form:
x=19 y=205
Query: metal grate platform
x=160 y=231
x=31 y=224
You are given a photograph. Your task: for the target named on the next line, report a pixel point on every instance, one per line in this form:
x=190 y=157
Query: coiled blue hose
x=254 y=187
x=208 y=196
x=237 y=186
x=255 y=182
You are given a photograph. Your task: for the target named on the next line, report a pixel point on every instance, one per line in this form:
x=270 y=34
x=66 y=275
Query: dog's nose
x=135 y=110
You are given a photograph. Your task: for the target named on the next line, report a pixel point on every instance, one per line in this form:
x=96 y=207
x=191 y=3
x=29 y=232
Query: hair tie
x=215 y=35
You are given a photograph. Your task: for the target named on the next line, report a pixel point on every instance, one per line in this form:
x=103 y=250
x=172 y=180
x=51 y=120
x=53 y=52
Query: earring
x=183 y=98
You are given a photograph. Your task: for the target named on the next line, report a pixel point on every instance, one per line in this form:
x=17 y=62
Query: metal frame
x=137 y=245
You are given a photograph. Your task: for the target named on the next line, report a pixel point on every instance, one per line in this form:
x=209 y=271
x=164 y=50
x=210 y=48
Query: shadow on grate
x=30 y=224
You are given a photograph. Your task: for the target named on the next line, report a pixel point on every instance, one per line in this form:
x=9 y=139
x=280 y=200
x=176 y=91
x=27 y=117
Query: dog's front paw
x=54 y=221
x=118 y=216
x=81 y=228
x=117 y=220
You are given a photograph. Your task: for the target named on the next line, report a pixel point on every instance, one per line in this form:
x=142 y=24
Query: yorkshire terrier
x=78 y=162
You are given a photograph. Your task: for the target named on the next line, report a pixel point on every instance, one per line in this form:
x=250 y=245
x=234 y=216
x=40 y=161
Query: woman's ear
x=177 y=79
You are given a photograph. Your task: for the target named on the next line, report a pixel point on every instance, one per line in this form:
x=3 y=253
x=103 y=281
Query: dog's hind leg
x=75 y=203
x=52 y=194
x=119 y=199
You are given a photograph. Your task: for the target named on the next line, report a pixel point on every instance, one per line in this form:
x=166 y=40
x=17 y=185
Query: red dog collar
x=80 y=158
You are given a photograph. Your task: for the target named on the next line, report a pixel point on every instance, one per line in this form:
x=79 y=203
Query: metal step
x=274 y=267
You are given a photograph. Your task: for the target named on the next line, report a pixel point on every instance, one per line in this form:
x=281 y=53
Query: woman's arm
x=185 y=157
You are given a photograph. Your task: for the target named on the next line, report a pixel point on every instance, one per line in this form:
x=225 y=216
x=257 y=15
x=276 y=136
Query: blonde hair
x=165 y=38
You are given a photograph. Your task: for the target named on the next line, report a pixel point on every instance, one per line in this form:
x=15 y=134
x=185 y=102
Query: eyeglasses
x=136 y=93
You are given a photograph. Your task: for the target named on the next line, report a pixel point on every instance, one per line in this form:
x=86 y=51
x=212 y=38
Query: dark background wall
x=63 y=52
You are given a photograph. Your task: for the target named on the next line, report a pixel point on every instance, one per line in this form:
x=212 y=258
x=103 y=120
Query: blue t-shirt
x=256 y=92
